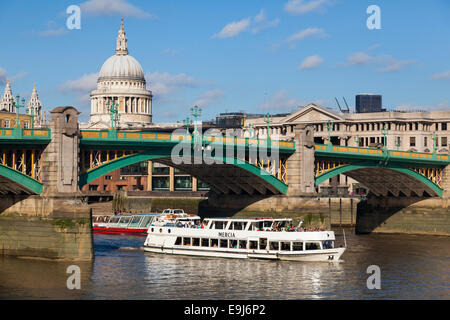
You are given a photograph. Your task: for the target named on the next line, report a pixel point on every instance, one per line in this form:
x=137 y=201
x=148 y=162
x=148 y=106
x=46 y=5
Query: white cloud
x=359 y=58
x=209 y=97
x=53 y=32
x=441 y=76
x=386 y=63
x=390 y=64
x=233 y=29
x=280 y=101
x=261 y=22
x=163 y=83
x=82 y=87
x=109 y=7
x=311 y=62
x=306 y=33
x=255 y=25
x=300 y=7
x=3 y=75
x=411 y=107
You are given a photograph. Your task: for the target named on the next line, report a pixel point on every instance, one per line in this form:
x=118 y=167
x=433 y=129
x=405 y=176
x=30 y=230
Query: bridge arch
x=224 y=176
x=384 y=179
x=13 y=181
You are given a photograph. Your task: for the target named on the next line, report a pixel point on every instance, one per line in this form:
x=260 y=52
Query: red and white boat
x=123 y=224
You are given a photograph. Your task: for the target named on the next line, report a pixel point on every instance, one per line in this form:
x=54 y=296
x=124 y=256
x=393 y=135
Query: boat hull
x=324 y=255
x=123 y=231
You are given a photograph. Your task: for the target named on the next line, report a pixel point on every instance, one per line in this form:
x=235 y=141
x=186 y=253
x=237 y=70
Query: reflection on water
x=412 y=267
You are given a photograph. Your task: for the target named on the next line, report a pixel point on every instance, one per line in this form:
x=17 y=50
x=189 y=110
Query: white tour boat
x=258 y=238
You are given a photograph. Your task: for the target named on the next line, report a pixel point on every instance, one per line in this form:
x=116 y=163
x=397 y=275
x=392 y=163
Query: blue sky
x=257 y=56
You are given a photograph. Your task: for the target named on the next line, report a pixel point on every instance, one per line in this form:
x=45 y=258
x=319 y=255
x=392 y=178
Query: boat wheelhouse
x=259 y=238
x=123 y=224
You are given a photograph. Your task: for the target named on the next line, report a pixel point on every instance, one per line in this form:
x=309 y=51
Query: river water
x=412 y=267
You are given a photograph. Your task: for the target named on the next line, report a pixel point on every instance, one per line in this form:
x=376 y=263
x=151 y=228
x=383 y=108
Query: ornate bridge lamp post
x=434 y=144
x=32 y=116
x=330 y=125
x=397 y=143
x=357 y=141
x=268 y=120
x=187 y=122
x=113 y=109
x=384 y=132
x=251 y=129
x=17 y=129
x=196 y=112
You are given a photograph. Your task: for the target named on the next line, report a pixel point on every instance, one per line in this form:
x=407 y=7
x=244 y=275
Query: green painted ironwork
x=268 y=120
x=361 y=153
x=21 y=179
x=374 y=165
x=141 y=140
x=155 y=154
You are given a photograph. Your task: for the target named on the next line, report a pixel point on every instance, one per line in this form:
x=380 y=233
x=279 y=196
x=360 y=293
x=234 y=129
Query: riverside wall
x=49 y=228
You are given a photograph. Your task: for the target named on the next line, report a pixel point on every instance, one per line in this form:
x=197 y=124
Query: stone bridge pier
x=415 y=215
x=54 y=224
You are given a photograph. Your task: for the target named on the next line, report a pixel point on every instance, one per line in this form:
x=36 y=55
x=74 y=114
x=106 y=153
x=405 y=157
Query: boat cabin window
x=196 y=242
x=312 y=246
x=297 y=246
x=146 y=221
x=267 y=225
x=253 y=244
x=242 y=244
x=186 y=241
x=178 y=241
x=218 y=225
x=262 y=243
x=233 y=244
x=214 y=243
x=114 y=220
x=223 y=243
x=124 y=220
x=237 y=226
x=274 y=245
x=205 y=242
x=285 y=246
x=328 y=244
x=178 y=211
x=135 y=221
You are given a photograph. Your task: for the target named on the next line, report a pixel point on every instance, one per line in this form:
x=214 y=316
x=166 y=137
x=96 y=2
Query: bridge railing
x=14 y=133
x=371 y=153
x=176 y=138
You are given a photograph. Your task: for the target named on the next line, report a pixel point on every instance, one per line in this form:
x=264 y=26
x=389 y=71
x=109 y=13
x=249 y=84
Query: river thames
x=412 y=267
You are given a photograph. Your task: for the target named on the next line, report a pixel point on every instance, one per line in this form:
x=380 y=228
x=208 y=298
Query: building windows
x=412 y=141
x=160 y=183
x=26 y=125
x=93 y=187
x=7 y=124
x=123 y=178
x=183 y=183
x=444 y=141
x=425 y=142
x=108 y=177
x=444 y=126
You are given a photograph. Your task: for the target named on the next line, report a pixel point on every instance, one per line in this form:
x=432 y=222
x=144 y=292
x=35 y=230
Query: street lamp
x=113 y=109
x=268 y=120
x=330 y=125
x=384 y=132
x=434 y=142
x=18 y=106
x=187 y=122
